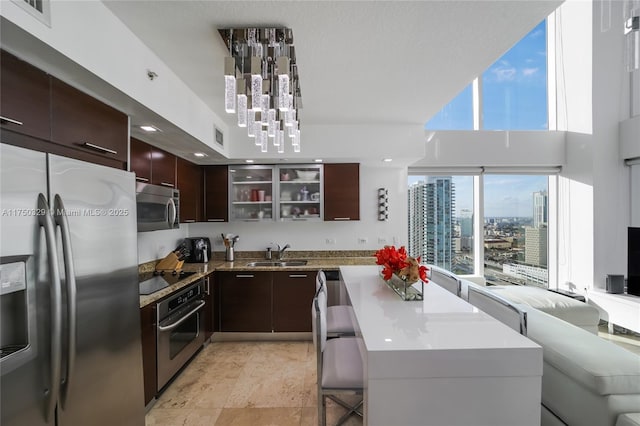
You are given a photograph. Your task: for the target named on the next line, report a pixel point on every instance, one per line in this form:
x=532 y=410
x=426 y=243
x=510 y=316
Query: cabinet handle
x=141 y=179
x=99 y=148
x=5 y=120
x=215 y=220
x=244 y=276
x=297 y=275
x=341 y=218
x=189 y=221
x=167 y=184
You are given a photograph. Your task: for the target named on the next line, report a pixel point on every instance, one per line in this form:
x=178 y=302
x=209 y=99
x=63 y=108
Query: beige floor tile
x=259 y=416
x=187 y=417
x=199 y=393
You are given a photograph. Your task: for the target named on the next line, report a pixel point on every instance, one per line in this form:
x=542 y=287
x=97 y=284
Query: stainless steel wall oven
x=180 y=330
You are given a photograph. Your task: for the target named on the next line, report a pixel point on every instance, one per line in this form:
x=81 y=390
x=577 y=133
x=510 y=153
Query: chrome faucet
x=281 y=250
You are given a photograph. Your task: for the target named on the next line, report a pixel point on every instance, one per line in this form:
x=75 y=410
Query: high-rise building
x=535 y=245
x=431 y=220
x=540 y=199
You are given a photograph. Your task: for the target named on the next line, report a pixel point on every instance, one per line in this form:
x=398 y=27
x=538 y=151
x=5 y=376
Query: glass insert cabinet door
x=251 y=193
x=300 y=192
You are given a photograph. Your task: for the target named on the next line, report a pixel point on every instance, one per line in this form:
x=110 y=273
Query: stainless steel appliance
x=70 y=306
x=158 y=207
x=180 y=330
x=199 y=249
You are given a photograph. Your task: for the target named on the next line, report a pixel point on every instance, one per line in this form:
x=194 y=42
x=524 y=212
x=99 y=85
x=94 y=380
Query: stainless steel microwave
x=158 y=207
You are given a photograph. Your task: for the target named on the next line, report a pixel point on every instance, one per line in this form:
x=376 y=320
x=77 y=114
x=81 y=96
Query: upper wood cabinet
x=342 y=191
x=216 y=193
x=140 y=154
x=190 y=183
x=163 y=168
x=24 y=99
x=86 y=124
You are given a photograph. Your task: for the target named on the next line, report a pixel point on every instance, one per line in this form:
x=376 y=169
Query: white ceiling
x=360 y=62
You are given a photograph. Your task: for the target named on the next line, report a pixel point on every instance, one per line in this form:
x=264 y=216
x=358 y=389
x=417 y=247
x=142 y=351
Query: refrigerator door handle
x=171 y=206
x=60 y=218
x=46 y=221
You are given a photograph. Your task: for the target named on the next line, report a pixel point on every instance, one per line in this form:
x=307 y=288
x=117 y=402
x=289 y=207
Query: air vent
x=38 y=8
x=219 y=137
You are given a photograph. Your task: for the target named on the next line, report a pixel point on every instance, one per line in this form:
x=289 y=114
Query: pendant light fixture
x=265 y=94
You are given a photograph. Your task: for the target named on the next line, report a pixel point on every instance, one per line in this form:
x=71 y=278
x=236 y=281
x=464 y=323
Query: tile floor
x=246 y=383
x=262 y=384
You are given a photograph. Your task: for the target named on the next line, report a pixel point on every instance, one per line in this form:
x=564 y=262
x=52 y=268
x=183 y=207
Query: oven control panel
x=180 y=299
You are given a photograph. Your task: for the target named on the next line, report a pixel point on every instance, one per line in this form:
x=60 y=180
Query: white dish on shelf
x=307 y=174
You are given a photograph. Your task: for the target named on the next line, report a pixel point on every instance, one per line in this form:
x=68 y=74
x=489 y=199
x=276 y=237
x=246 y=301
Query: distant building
x=535 y=245
x=540 y=200
x=497 y=243
x=431 y=220
x=532 y=275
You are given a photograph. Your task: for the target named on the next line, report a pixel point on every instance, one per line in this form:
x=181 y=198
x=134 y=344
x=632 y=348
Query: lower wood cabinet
x=148 y=327
x=211 y=318
x=263 y=301
x=245 y=301
x=293 y=293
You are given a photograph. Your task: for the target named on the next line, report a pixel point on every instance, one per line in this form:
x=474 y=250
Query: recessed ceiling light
x=149 y=128
x=318 y=160
x=200 y=154
x=248 y=161
x=387 y=160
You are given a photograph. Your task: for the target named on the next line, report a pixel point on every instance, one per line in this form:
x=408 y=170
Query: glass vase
x=406 y=290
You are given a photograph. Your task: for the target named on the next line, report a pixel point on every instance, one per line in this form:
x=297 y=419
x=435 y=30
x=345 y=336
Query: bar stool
x=339 y=365
x=340 y=318
x=446 y=280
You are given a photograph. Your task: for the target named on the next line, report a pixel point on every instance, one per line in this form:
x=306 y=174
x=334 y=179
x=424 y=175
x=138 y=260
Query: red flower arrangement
x=396 y=261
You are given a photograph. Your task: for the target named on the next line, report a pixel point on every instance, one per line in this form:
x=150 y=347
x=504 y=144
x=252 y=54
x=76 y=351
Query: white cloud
x=528 y=72
x=504 y=73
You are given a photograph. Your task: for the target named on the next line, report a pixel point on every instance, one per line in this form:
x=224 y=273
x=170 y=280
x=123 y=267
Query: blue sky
x=514 y=97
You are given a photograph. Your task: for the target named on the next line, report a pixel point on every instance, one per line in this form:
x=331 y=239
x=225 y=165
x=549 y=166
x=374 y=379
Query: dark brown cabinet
x=342 y=191
x=190 y=183
x=210 y=310
x=140 y=158
x=245 y=301
x=216 y=193
x=163 y=168
x=292 y=296
x=84 y=123
x=148 y=331
x=25 y=99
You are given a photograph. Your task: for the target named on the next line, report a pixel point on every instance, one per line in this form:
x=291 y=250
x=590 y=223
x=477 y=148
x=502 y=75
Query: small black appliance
x=199 y=250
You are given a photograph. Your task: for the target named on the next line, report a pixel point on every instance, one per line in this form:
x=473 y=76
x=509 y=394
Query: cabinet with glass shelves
x=299 y=192
x=251 y=193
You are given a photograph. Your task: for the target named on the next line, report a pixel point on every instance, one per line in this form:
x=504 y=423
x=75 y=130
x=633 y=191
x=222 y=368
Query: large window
x=512 y=94
x=514 y=88
x=516 y=211
x=441 y=221
x=513 y=231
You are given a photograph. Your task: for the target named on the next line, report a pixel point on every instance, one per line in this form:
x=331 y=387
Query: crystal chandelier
x=262 y=85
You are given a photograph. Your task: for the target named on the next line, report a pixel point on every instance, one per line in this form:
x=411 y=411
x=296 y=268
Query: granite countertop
x=315 y=261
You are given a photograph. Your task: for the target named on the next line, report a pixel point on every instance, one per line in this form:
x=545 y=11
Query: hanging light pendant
x=256 y=82
x=230 y=84
x=241 y=102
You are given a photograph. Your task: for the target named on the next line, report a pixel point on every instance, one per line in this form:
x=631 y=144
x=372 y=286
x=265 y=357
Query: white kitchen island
x=440 y=361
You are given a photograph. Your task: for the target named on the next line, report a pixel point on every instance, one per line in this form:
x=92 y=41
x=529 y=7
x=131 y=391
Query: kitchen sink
x=279 y=263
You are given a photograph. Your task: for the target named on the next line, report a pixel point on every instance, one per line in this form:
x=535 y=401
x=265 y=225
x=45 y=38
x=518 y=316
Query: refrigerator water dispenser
x=14 y=334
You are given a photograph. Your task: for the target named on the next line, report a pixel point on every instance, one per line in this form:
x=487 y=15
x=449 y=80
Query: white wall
x=594 y=192
x=313 y=235
x=157 y=244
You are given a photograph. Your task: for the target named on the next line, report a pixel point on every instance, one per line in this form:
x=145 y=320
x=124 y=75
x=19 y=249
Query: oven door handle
x=182 y=319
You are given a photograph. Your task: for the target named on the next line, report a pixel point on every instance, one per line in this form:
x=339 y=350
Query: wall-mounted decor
x=383 y=204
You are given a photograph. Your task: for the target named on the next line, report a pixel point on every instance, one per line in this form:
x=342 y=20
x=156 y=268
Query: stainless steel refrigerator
x=70 y=317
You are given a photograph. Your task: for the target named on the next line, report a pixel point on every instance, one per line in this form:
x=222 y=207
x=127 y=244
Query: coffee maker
x=199 y=250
